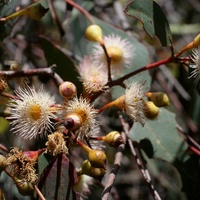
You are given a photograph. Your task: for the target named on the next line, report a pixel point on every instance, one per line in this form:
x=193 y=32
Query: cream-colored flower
x=82 y=186
x=86 y=112
x=120 y=51
x=134 y=101
x=93 y=76
x=31 y=114
x=195 y=65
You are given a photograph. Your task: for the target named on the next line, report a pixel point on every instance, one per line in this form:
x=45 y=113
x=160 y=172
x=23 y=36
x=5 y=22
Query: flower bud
x=73 y=122
x=150 y=110
x=94 y=33
x=115 y=54
x=119 y=103
x=33 y=155
x=160 y=99
x=97 y=158
x=114 y=139
x=25 y=188
x=89 y=170
x=3 y=163
x=196 y=41
x=67 y=90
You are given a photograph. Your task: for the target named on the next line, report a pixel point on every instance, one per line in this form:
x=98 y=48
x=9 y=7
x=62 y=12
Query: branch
x=47 y=71
x=82 y=10
x=139 y=161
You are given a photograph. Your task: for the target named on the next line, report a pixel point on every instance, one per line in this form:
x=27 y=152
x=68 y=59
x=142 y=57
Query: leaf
x=58 y=178
x=167 y=176
x=65 y=66
x=154 y=21
x=5 y=10
x=162 y=134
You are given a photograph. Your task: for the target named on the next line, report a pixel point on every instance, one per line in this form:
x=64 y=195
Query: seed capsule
x=150 y=110
x=25 y=188
x=97 y=158
x=160 y=99
x=114 y=139
x=89 y=170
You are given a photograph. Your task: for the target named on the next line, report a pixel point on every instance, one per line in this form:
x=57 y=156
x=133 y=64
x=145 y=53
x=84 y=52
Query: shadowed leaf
x=163 y=135
x=57 y=179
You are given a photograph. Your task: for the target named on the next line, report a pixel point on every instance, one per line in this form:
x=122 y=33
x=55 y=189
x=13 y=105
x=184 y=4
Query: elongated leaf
x=162 y=133
x=5 y=10
x=65 y=66
x=150 y=14
x=57 y=180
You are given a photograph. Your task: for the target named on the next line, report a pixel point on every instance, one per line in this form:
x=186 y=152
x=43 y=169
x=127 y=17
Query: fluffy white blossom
x=87 y=113
x=93 y=76
x=120 y=51
x=195 y=65
x=134 y=101
x=31 y=113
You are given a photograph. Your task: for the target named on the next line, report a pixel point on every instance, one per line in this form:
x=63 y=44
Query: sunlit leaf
x=150 y=14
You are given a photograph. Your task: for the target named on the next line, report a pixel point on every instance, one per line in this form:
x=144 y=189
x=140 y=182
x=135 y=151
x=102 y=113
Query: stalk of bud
x=113 y=139
x=151 y=111
x=194 y=44
x=94 y=33
x=25 y=188
x=160 y=99
x=119 y=102
x=35 y=11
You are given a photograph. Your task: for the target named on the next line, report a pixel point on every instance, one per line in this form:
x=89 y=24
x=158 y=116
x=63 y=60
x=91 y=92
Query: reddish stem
x=82 y=10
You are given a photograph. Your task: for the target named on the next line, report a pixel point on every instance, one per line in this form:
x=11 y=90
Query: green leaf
x=150 y=14
x=162 y=133
x=57 y=179
x=65 y=66
x=5 y=10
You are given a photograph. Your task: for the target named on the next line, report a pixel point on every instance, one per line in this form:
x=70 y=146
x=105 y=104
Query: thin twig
x=139 y=161
x=39 y=193
x=108 y=62
x=48 y=71
x=55 y=18
x=3 y=148
x=82 y=10
x=190 y=140
x=113 y=172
